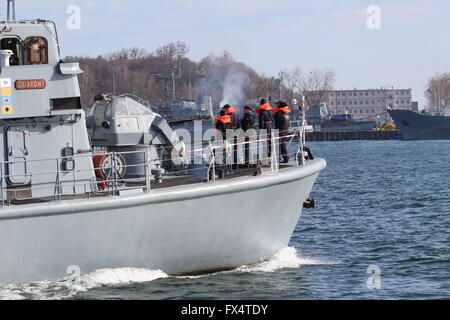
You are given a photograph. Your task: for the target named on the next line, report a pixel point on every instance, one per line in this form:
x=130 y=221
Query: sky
x=410 y=45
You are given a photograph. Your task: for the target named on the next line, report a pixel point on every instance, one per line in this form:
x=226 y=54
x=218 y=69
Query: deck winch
x=124 y=124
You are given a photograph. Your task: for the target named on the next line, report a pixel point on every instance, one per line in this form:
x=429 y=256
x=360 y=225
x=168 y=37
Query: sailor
x=231 y=111
x=266 y=121
x=296 y=110
x=223 y=122
x=247 y=123
x=281 y=115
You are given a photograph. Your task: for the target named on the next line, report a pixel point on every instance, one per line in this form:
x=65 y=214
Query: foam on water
x=121 y=276
x=286 y=258
x=67 y=287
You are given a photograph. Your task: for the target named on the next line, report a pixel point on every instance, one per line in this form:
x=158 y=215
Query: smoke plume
x=232 y=92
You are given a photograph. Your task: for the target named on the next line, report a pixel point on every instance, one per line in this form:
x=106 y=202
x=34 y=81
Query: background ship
x=321 y=120
x=189 y=115
x=415 y=126
x=346 y=122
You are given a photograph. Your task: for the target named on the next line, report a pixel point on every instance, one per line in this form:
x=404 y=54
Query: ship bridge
x=33 y=80
x=40 y=114
x=32 y=42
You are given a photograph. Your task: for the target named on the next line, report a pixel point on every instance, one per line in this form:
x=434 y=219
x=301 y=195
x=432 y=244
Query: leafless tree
x=292 y=81
x=438 y=92
x=149 y=74
x=314 y=84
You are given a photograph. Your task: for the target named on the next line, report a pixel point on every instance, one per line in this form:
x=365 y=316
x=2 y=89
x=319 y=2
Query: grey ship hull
x=350 y=126
x=178 y=230
x=415 y=126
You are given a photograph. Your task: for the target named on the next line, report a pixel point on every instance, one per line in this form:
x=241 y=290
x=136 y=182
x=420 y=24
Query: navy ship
x=321 y=120
x=346 y=122
x=113 y=189
x=417 y=126
x=194 y=116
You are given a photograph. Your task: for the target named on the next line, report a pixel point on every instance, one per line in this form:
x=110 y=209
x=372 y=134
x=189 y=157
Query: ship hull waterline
x=179 y=230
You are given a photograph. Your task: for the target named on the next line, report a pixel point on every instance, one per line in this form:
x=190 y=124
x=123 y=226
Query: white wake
x=67 y=288
x=286 y=258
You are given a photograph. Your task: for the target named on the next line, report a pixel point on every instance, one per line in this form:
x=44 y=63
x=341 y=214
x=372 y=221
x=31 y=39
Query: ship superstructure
x=41 y=114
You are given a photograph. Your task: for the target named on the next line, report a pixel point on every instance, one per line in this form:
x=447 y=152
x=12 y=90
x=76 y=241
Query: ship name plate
x=30 y=84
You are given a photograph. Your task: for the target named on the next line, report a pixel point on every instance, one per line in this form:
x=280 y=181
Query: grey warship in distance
x=321 y=120
x=97 y=191
x=421 y=126
x=189 y=115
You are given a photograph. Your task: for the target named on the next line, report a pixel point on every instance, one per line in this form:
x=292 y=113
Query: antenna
x=11 y=10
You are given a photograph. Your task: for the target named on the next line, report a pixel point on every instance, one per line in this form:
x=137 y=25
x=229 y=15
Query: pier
x=353 y=135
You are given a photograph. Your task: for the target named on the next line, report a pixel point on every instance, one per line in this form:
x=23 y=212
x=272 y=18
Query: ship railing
x=295 y=123
x=271 y=159
x=60 y=183
x=46 y=184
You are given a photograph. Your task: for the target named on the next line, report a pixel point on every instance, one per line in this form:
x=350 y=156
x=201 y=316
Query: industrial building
x=363 y=104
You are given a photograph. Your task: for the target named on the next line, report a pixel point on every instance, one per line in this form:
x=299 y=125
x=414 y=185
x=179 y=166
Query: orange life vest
x=265 y=107
x=230 y=110
x=224 y=119
x=284 y=109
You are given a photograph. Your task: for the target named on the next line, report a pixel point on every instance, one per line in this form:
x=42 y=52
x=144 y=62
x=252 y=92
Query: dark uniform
x=231 y=111
x=282 y=124
x=223 y=123
x=266 y=122
x=247 y=123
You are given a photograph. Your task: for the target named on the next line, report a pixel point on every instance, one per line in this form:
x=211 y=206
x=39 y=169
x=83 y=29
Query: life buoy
x=105 y=165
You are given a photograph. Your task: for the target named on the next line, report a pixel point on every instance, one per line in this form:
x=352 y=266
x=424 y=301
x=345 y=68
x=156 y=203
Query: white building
x=363 y=104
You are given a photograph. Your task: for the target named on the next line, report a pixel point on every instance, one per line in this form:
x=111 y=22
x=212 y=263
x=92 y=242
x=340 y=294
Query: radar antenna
x=11 y=13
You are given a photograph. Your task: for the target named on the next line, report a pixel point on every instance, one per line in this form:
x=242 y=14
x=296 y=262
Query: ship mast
x=11 y=13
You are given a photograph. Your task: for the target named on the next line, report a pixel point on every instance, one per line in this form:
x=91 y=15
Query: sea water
x=380 y=230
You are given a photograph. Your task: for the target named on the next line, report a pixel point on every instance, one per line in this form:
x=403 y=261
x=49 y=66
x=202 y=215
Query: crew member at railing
x=247 y=123
x=266 y=121
x=222 y=124
x=281 y=115
x=231 y=111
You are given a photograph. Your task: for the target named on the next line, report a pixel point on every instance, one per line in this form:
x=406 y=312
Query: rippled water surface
x=383 y=204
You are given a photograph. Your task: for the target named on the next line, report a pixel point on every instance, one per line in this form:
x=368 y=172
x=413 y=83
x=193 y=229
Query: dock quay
x=353 y=135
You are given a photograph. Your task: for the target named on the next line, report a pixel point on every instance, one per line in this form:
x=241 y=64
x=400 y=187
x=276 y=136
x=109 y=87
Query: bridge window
x=36 y=50
x=15 y=46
